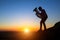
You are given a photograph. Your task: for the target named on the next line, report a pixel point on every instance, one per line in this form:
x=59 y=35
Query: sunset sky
x=18 y=14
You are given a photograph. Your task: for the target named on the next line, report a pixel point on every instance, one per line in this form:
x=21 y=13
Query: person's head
x=35 y=9
x=40 y=8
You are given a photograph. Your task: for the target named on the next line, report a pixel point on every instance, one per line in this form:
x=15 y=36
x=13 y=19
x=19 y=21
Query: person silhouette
x=41 y=14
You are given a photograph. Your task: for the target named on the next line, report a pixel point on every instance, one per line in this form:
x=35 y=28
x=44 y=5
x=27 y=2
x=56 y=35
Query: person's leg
x=41 y=25
x=44 y=25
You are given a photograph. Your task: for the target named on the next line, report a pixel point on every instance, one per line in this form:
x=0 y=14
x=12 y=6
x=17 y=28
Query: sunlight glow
x=26 y=30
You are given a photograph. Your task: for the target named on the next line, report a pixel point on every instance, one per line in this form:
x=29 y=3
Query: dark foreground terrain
x=49 y=34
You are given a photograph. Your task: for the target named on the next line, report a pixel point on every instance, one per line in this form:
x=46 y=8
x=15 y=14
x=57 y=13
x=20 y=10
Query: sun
x=26 y=30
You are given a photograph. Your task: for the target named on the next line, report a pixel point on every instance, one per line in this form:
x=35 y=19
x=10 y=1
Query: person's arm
x=38 y=15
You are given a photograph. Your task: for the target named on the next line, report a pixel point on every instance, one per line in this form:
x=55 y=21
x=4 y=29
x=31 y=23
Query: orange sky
x=22 y=27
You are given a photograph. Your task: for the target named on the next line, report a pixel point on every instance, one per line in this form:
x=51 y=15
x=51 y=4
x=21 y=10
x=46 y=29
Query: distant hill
x=52 y=33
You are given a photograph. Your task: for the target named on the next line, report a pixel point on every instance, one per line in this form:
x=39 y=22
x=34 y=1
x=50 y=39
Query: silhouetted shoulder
x=43 y=10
